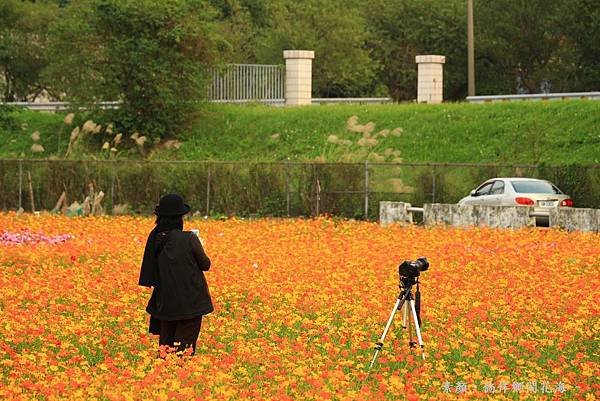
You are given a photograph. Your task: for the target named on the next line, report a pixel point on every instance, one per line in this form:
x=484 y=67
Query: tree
x=335 y=30
x=148 y=54
x=260 y=30
x=520 y=47
x=402 y=29
x=580 y=24
x=240 y=23
x=23 y=38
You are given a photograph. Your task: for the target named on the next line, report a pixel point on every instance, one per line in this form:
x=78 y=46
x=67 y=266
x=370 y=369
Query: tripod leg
x=405 y=320
x=411 y=341
x=379 y=344
x=417 y=327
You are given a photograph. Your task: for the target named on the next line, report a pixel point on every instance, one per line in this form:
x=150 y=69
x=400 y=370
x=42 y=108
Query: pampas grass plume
x=397 y=131
x=88 y=126
x=141 y=140
x=74 y=133
x=37 y=148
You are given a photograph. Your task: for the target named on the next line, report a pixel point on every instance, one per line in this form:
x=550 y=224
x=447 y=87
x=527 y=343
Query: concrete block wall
x=430 y=78
x=298 y=77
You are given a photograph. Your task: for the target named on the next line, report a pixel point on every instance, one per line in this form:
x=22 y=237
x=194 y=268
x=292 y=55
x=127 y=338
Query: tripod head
x=406 y=283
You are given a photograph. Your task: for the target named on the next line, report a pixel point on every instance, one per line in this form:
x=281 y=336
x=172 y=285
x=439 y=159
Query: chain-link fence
x=268 y=189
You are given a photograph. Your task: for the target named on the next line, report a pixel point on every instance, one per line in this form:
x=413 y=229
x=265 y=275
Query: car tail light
x=524 y=201
x=567 y=203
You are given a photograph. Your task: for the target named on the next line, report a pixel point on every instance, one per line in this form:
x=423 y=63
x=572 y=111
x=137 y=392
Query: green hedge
x=270 y=189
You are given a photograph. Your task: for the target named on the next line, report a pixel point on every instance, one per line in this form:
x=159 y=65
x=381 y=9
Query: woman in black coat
x=173 y=264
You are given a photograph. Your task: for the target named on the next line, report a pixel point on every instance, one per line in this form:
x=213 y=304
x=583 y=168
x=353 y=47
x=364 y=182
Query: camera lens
x=423 y=264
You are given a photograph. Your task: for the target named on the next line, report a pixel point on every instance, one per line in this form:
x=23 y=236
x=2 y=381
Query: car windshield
x=534 y=187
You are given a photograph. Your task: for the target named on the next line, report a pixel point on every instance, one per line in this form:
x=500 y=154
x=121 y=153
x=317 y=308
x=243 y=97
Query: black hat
x=171 y=205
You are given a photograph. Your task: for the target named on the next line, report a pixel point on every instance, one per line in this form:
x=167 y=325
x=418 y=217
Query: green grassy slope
x=554 y=132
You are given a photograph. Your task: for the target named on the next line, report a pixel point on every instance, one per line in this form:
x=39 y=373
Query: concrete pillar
x=430 y=78
x=298 y=77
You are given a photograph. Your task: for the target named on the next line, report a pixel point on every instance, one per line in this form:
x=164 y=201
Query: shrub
x=147 y=54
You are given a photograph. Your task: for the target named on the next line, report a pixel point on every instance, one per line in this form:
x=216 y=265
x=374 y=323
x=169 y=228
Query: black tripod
x=414 y=303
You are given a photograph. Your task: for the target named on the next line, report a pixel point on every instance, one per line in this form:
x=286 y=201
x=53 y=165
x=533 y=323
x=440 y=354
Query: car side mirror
x=473 y=193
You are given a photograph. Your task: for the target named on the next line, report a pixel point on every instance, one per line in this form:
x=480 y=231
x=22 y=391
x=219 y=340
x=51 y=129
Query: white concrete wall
x=298 y=77
x=430 y=78
x=576 y=219
x=394 y=212
x=470 y=215
x=570 y=219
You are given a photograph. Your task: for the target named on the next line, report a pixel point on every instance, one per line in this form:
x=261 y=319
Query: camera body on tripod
x=409 y=273
x=410 y=270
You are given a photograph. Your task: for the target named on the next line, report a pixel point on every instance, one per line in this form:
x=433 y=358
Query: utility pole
x=470 y=49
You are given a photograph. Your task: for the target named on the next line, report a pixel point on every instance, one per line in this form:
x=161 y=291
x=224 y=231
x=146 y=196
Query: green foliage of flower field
x=549 y=132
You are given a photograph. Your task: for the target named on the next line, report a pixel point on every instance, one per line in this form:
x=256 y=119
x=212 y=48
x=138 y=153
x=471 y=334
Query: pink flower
x=27 y=237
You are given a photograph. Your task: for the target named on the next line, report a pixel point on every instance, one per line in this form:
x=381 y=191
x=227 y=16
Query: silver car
x=542 y=195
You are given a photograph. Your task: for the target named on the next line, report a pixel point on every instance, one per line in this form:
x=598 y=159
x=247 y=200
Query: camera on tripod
x=409 y=270
x=410 y=305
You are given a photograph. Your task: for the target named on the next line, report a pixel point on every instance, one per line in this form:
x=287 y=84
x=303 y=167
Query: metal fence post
x=433 y=184
x=366 y=190
x=31 y=196
x=287 y=189
x=317 y=189
x=20 y=184
x=208 y=191
x=112 y=187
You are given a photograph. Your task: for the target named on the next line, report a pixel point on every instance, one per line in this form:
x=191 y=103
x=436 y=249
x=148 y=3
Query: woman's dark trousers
x=184 y=333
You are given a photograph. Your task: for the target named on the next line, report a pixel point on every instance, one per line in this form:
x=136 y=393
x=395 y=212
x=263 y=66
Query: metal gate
x=240 y=83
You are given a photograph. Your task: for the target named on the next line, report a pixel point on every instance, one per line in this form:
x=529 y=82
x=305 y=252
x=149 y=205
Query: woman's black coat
x=180 y=288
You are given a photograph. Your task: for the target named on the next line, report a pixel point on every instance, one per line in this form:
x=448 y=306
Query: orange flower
x=299 y=306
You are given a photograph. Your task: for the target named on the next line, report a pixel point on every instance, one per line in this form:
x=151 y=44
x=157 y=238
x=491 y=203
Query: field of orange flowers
x=299 y=306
